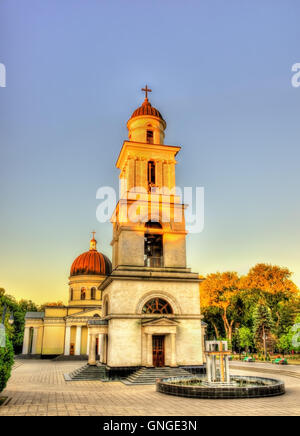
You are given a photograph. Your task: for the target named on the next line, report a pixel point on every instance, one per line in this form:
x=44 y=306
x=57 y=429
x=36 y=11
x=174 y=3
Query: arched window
x=82 y=294
x=93 y=294
x=157 y=305
x=153 y=245
x=71 y=294
x=149 y=136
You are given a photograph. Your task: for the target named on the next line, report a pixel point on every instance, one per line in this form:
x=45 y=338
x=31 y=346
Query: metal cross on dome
x=93 y=234
x=146 y=90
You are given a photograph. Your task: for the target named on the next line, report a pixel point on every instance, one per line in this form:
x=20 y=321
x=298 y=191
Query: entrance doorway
x=158 y=347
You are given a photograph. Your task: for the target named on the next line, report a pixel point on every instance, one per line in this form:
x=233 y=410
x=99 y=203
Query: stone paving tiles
x=37 y=387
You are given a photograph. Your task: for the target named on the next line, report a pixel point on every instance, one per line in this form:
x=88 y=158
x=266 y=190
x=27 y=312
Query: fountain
x=218 y=382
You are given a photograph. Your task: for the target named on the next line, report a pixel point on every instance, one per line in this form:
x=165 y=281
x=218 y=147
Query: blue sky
x=221 y=76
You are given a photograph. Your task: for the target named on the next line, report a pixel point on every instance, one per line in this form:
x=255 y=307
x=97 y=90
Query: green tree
x=215 y=327
x=245 y=337
x=6 y=362
x=19 y=309
x=295 y=334
x=262 y=327
x=284 y=343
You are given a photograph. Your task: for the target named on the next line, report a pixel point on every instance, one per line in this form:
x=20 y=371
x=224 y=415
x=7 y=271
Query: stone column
x=172 y=175
x=34 y=340
x=100 y=345
x=88 y=342
x=78 y=340
x=67 y=340
x=92 y=351
x=105 y=345
x=144 y=174
x=158 y=174
x=149 y=350
x=173 y=349
x=137 y=173
x=25 y=341
x=166 y=175
x=131 y=173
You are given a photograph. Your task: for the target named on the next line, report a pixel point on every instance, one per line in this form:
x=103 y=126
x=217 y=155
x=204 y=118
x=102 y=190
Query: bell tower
x=151 y=299
x=148 y=222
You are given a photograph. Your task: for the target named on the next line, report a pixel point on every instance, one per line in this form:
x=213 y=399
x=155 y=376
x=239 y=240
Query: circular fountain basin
x=239 y=387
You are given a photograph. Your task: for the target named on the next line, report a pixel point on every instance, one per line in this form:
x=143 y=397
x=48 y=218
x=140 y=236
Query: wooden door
x=158 y=347
x=72 y=349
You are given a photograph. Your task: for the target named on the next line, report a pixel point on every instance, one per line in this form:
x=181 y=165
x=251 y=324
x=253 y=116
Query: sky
x=220 y=73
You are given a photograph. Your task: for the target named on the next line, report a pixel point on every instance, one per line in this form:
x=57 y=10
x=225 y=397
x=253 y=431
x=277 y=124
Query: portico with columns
x=63 y=330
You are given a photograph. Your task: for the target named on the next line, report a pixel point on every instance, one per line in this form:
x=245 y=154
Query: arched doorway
x=157 y=306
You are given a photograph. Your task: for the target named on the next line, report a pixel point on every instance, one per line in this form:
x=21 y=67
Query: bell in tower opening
x=153 y=245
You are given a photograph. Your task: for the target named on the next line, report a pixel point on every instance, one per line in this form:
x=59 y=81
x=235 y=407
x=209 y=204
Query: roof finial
x=93 y=243
x=146 y=90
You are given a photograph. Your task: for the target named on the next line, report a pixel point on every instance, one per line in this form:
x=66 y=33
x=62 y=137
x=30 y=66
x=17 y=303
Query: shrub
x=6 y=362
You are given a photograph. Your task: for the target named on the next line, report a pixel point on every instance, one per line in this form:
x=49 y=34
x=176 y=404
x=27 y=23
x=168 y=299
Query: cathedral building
x=63 y=330
x=143 y=309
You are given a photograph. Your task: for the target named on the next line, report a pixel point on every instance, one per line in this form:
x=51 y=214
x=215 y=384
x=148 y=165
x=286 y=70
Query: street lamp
x=2 y=326
x=11 y=319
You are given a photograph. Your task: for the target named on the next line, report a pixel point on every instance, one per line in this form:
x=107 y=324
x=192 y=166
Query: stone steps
x=148 y=376
x=87 y=372
x=62 y=357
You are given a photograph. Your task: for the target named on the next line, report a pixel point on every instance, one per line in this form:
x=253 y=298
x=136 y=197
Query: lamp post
x=238 y=341
x=265 y=343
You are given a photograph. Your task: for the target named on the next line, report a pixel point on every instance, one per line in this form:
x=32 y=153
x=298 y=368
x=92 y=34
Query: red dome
x=91 y=262
x=147 y=109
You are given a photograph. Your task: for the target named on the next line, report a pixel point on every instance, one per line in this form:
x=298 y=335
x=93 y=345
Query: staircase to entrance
x=148 y=376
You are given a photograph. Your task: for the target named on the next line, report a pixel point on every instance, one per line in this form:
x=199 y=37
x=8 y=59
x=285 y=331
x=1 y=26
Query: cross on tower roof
x=93 y=234
x=146 y=90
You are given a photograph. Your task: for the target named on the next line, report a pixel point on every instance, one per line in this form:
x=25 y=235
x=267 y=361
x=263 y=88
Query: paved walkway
x=37 y=387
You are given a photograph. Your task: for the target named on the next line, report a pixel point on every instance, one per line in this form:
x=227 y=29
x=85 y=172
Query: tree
x=6 y=362
x=218 y=290
x=245 y=338
x=272 y=279
x=284 y=343
x=262 y=327
x=215 y=326
x=16 y=331
x=295 y=334
x=271 y=284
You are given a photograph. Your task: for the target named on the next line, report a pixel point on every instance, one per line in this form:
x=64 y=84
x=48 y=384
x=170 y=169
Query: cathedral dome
x=146 y=109
x=91 y=262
